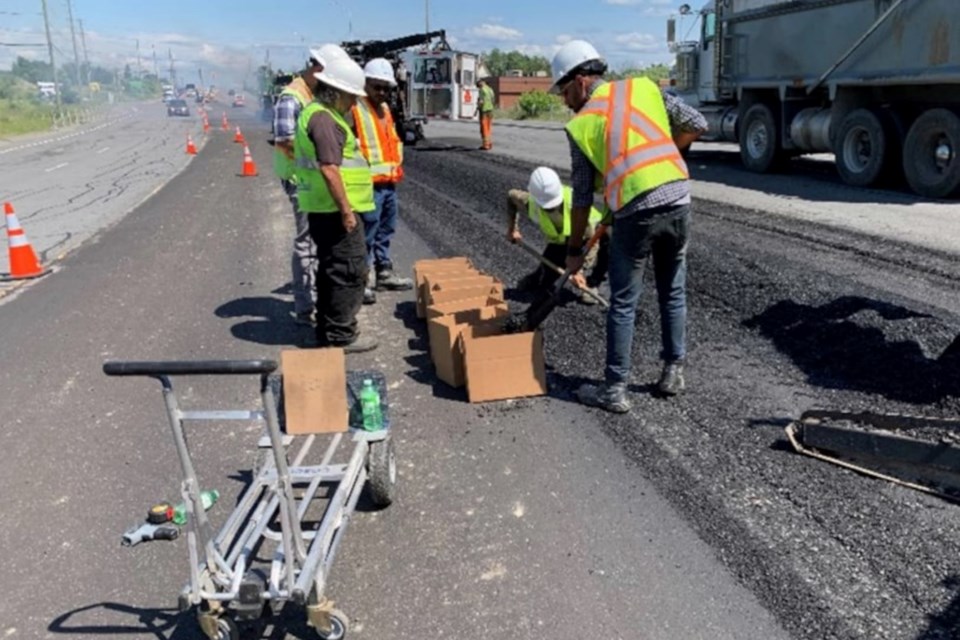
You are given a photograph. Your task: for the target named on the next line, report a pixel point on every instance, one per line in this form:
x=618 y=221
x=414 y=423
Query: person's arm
x=331 y=175
x=285 y=124
x=329 y=139
x=686 y=123
x=516 y=201
x=582 y=179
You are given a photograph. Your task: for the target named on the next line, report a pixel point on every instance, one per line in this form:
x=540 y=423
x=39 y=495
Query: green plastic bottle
x=207 y=498
x=370 y=407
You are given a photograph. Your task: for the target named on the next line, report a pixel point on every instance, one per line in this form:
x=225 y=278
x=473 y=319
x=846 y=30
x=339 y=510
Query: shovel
x=537 y=312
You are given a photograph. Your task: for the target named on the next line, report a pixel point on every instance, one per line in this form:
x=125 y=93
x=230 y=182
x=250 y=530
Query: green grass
x=22 y=116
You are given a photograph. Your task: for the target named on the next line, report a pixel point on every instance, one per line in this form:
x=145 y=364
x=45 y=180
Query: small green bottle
x=207 y=498
x=370 y=406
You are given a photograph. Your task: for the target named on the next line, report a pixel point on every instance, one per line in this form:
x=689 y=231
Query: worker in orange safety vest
x=383 y=149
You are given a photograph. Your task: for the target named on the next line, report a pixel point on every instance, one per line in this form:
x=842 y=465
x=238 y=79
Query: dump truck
x=875 y=82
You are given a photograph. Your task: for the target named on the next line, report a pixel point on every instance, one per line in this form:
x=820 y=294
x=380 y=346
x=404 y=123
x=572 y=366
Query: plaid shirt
x=683 y=117
x=285 y=115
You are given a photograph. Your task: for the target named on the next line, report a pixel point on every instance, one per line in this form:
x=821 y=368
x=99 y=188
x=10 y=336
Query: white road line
x=59 y=166
x=104 y=150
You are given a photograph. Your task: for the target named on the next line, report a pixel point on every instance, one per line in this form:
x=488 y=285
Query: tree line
x=499 y=62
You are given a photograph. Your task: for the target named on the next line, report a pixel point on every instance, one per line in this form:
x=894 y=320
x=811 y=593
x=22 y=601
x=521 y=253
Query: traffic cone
x=23 y=261
x=191 y=148
x=224 y=124
x=206 y=124
x=249 y=168
x=238 y=137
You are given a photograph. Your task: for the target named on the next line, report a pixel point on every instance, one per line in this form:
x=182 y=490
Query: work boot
x=362 y=344
x=585 y=298
x=609 y=397
x=308 y=319
x=387 y=280
x=369 y=296
x=671 y=380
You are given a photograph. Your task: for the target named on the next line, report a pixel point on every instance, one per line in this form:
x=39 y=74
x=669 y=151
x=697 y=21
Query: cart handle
x=188 y=367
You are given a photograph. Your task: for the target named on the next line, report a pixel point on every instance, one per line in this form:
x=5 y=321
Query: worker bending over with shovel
x=547 y=202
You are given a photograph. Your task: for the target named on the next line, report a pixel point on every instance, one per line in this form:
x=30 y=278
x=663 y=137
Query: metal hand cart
x=224 y=585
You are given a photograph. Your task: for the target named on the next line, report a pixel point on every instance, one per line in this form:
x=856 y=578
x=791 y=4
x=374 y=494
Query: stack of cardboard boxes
x=465 y=314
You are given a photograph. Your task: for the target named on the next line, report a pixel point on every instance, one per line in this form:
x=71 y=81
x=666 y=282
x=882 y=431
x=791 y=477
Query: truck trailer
x=875 y=82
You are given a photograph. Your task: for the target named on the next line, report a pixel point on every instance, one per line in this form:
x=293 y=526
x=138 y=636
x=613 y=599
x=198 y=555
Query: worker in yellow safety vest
x=547 y=202
x=294 y=97
x=625 y=140
x=485 y=104
x=335 y=187
x=383 y=149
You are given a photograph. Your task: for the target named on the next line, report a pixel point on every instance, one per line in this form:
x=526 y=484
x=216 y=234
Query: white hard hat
x=344 y=74
x=380 y=69
x=545 y=187
x=569 y=57
x=326 y=52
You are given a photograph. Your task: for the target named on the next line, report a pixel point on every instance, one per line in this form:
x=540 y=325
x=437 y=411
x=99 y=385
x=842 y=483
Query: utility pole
x=173 y=72
x=156 y=70
x=53 y=62
x=86 y=59
x=139 y=66
x=73 y=36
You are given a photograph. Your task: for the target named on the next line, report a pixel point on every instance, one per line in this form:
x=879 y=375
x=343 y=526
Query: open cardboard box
x=500 y=366
x=491 y=288
x=445 y=330
x=421 y=268
x=446 y=308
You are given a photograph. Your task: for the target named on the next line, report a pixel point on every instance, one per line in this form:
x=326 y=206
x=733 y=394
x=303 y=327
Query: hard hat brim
x=553 y=202
x=335 y=84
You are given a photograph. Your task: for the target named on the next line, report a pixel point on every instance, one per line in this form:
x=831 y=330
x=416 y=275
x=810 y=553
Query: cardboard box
x=445 y=333
x=314 y=390
x=438 y=282
x=446 y=308
x=500 y=366
x=488 y=289
x=422 y=267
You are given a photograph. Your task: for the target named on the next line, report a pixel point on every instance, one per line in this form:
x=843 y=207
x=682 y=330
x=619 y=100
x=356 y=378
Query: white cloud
x=641 y=42
x=495 y=32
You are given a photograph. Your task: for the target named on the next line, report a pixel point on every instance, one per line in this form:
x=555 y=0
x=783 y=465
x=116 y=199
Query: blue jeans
x=380 y=225
x=635 y=238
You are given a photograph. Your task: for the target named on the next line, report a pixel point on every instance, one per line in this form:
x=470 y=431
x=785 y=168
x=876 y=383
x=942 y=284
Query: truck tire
x=863 y=147
x=931 y=154
x=759 y=140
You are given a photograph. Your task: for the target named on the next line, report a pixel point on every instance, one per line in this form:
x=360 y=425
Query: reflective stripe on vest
x=379 y=142
x=282 y=164
x=539 y=216
x=313 y=194
x=624 y=131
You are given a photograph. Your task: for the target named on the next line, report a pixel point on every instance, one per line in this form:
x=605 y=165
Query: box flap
x=446 y=308
x=498 y=367
x=462 y=293
x=444 y=332
x=314 y=390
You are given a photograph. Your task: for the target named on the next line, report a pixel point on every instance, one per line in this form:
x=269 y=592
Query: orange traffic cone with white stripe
x=249 y=168
x=23 y=261
x=206 y=124
x=191 y=148
x=238 y=137
x=224 y=124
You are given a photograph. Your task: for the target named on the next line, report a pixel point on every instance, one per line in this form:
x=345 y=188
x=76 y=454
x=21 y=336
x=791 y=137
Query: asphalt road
x=519 y=519
x=535 y=518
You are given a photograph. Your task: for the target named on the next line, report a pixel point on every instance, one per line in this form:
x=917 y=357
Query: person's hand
x=579 y=281
x=574 y=264
x=349 y=219
x=514 y=236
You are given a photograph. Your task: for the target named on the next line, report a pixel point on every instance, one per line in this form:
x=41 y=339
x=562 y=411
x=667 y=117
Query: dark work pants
x=557 y=254
x=341 y=274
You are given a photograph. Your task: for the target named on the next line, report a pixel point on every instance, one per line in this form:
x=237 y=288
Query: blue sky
x=227 y=40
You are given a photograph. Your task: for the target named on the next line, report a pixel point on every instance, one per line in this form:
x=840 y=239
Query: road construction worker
x=625 y=139
x=485 y=103
x=547 y=202
x=383 y=149
x=334 y=188
x=289 y=105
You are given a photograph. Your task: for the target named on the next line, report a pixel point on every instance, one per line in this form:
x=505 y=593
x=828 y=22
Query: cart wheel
x=382 y=472
x=338 y=626
x=227 y=629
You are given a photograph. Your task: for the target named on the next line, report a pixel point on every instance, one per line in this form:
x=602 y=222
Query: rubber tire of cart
x=382 y=472
x=339 y=623
x=883 y=144
x=919 y=165
x=773 y=157
x=227 y=629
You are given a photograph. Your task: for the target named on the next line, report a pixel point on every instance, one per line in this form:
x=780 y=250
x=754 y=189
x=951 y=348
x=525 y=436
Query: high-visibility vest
x=379 y=142
x=642 y=154
x=487 y=99
x=282 y=164
x=554 y=236
x=313 y=195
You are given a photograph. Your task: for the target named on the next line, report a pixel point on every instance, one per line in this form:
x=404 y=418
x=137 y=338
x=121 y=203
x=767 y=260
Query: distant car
x=178 y=108
x=239 y=101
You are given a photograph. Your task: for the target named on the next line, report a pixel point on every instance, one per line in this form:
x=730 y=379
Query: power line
x=73 y=36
